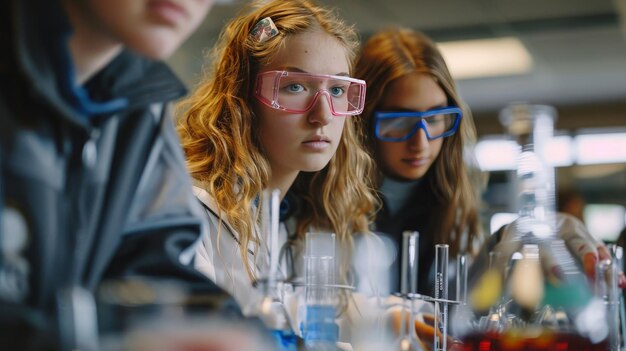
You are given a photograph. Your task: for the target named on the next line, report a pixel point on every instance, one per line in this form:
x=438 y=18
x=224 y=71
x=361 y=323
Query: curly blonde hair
x=397 y=52
x=224 y=155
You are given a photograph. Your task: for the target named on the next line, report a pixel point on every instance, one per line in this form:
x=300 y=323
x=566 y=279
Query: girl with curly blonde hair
x=276 y=112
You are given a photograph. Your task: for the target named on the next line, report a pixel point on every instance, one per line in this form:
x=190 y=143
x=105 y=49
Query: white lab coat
x=218 y=256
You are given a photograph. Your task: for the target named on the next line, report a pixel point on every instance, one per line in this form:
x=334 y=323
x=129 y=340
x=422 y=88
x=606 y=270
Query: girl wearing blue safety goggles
x=417 y=128
x=400 y=126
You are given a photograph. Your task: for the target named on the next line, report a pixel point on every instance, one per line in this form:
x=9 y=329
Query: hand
x=580 y=243
x=584 y=246
x=424 y=328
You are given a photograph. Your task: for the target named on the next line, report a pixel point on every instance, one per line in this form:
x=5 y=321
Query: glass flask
x=535 y=297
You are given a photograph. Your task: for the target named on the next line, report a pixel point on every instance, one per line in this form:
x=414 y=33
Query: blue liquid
x=320 y=324
x=286 y=340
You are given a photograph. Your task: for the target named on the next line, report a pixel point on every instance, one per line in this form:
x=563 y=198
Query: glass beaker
x=320 y=330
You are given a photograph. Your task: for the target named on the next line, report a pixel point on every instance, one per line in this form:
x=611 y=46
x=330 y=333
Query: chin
x=314 y=166
x=157 y=47
x=407 y=176
x=404 y=177
x=312 y=169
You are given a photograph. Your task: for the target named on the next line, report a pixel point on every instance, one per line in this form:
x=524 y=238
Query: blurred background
x=570 y=54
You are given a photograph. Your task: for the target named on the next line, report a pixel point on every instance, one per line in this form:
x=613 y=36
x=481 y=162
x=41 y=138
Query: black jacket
x=415 y=215
x=92 y=179
x=411 y=217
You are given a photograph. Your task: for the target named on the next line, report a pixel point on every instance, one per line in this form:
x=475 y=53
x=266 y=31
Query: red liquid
x=545 y=341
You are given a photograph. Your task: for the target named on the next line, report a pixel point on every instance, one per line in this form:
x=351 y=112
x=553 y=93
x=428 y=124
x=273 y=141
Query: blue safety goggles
x=400 y=126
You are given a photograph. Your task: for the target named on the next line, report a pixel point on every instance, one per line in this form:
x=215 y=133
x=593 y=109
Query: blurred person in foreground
x=92 y=179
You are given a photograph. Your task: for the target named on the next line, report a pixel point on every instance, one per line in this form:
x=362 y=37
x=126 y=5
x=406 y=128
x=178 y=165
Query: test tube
x=441 y=292
x=617 y=254
x=461 y=278
x=606 y=288
x=274 y=223
x=407 y=340
x=461 y=323
x=412 y=251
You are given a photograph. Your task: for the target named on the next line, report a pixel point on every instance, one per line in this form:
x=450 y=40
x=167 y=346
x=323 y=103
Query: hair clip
x=264 y=29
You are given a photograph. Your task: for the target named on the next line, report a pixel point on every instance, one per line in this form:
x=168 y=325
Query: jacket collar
x=138 y=80
x=40 y=34
x=38 y=25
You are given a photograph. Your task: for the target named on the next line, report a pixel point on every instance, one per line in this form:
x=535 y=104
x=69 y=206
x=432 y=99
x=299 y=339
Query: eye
x=295 y=88
x=434 y=120
x=337 y=91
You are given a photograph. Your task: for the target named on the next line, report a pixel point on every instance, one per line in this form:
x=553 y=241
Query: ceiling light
x=495 y=154
x=600 y=148
x=482 y=58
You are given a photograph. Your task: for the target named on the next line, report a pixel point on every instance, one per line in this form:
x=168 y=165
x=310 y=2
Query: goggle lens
x=297 y=92
x=399 y=126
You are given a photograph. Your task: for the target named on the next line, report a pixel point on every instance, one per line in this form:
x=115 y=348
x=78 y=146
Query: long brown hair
x=397 y=52
x=224 y=154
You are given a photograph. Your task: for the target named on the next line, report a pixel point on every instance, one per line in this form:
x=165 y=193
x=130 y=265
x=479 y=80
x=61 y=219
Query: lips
x=318 y=138
x=317 y=143
x=168 y=11
x=415 y=161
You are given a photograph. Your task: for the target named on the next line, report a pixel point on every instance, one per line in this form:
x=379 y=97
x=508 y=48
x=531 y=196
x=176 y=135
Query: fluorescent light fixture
x=496 y=154
x=600 y=148
x=486 y=57
x=501 y=154
x=560 y=151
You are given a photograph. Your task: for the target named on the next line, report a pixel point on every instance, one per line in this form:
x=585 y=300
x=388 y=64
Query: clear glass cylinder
x=320 y=329
x=461 y=320
x=407 y=340
x=532 y=126
x=320 y=268
x=462 y=267
x=607 y=290
x=441 y=292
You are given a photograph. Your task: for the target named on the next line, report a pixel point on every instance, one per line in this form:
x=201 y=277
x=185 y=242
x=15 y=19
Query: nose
x=418 y=140
x=320 y=113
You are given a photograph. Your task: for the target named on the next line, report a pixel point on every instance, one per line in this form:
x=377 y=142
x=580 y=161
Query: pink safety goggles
x=297 y=92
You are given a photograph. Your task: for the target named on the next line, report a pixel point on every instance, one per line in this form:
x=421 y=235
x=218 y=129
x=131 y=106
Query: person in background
x=276 y=112
x=92 y=179
x=417 y=129
x=572 y=202
x=420 y=133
